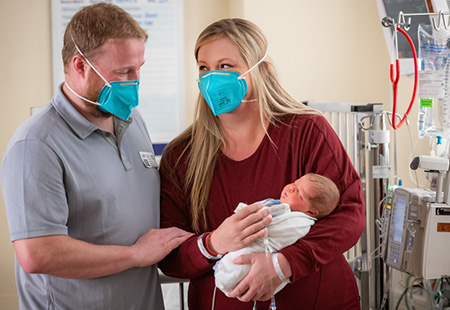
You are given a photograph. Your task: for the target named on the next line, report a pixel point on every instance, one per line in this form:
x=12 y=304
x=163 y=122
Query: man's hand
x=156 y=244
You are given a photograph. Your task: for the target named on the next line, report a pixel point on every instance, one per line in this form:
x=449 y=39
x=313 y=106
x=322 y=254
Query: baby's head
x=313 y=194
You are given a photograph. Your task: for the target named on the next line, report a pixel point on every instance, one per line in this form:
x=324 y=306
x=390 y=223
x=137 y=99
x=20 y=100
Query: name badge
x=148 y=159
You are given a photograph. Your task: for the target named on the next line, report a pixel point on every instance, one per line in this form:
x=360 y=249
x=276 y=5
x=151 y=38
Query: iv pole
x=378 y=174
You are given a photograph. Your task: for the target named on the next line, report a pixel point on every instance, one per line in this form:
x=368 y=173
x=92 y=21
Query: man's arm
x=65 y=257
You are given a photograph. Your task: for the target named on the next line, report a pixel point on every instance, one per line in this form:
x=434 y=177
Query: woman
x=248 y=139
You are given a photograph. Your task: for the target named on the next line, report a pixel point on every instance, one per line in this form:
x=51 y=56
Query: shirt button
x=108 y=135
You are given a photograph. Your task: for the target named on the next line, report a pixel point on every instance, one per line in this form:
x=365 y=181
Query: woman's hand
x=262 y=280
x=240 y=229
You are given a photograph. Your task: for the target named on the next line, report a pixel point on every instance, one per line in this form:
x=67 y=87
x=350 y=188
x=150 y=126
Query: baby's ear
x=312 y=213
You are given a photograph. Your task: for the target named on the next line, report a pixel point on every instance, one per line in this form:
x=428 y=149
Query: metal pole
x=363 y=271
x=378 y=178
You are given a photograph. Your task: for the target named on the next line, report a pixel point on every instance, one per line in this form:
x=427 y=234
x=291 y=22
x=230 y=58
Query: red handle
x=395 y=82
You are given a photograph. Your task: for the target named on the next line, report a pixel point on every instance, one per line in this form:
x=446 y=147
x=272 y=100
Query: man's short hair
x=96 y=24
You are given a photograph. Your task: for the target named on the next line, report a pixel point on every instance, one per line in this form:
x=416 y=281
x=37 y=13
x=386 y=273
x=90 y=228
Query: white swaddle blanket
x=286 y=228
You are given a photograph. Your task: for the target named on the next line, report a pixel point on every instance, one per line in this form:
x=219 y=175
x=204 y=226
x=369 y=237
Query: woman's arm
x=323 y=153
x=319 y=151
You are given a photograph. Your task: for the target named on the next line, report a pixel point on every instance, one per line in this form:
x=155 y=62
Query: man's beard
x=92 y=93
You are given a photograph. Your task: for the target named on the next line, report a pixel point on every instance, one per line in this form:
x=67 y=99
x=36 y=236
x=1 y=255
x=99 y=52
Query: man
x=80 y=181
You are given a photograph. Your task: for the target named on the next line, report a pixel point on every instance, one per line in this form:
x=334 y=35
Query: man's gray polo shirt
x=62 y=175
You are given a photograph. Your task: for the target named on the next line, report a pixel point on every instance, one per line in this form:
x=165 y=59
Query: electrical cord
x=400 y=299
x=415 y=178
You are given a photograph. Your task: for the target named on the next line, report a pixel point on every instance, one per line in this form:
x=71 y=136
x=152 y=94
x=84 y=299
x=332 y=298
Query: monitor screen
x=399 y=218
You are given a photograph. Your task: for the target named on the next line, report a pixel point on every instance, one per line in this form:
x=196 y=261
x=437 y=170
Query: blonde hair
x=205 y=136
x=96 y=24
x=326 y=195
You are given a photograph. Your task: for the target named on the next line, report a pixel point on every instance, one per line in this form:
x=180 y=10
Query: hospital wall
x=324 y=50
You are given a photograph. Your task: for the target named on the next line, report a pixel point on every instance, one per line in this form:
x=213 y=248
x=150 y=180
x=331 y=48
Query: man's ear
x=79 y=65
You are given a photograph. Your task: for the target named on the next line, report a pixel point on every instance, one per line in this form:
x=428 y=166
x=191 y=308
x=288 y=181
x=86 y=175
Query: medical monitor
x=392 y=8
x=396 y=241
x=406 y=230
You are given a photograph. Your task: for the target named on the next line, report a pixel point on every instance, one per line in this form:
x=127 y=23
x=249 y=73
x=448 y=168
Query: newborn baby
x=302 y=202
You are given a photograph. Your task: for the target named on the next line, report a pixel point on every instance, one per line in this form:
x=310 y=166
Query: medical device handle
x=395 y=82
x=439 y=187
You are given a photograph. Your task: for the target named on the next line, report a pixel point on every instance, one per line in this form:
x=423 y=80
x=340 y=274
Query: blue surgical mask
x=117 y=98
x=224 y=90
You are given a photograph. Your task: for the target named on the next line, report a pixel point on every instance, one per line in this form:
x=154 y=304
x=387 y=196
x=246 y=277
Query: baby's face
x=296 y=195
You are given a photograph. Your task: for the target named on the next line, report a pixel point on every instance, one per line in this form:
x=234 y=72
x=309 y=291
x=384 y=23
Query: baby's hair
x=326 y=195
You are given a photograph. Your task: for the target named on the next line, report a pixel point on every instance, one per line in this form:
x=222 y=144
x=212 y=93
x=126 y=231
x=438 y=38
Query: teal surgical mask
x=117 y=98
x=224 y=90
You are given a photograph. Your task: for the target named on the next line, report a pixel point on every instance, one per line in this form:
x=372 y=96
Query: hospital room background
x=328 y=51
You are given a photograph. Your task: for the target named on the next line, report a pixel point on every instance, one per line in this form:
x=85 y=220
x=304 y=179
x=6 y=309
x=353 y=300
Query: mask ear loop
x=92 y=66
x=85 y=99
x=254 y=66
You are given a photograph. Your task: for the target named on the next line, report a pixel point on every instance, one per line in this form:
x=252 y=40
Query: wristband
x=201 y=241
x=211 y=252
x=277 y=267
